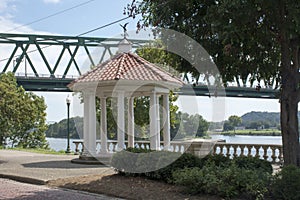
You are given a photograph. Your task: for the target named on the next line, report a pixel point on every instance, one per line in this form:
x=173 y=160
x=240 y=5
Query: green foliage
x=22 y=115
x=253 y=163
x=253 y=119
x=264 y=132
x=39 y=150
x=189 y=126
x=248 y=41
x=246 y=178
x=219 y=160
x=59 y=130
x=286 y=183
x=143 y=160
x=227 y=182
x=232 y=122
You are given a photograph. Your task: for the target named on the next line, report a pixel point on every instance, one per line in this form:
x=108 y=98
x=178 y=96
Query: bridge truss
x=51 y=62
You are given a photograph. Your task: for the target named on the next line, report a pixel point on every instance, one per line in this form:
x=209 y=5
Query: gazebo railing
x=271 y=153
x=176 y=146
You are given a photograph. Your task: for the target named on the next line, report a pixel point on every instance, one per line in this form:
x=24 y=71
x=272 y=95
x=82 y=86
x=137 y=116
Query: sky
x=74 y=17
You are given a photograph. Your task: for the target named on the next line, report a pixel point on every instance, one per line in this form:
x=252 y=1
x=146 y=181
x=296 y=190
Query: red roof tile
x=127 y=66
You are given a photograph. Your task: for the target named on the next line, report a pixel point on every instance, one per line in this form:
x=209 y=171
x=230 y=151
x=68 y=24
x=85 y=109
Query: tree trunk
x=289 y=129
x=289 y=93
x=289 y=108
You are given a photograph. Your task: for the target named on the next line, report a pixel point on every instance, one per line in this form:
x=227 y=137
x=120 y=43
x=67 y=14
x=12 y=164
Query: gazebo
x=124 y=77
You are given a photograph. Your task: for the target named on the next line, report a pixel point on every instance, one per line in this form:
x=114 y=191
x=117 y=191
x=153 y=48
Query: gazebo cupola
x=124 y=77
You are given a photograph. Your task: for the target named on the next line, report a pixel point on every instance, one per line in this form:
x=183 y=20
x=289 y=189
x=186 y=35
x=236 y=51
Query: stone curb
x=24 y=179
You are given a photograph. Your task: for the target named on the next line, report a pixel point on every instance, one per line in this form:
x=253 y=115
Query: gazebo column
x=130 y=126
x=158 y=122
x=166 y=120
x=121 y=121
x=103 y=126
x=153 y=121
x=89 y=132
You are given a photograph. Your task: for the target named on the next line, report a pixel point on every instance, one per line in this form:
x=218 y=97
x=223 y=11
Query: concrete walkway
x=40 y=168
x=23 y=191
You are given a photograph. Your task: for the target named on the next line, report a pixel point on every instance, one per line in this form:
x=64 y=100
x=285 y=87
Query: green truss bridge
x=51 y=62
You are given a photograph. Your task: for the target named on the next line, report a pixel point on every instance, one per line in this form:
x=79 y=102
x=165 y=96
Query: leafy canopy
x=22 y=115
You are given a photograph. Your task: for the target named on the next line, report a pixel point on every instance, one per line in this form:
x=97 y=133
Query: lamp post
x=68 y=101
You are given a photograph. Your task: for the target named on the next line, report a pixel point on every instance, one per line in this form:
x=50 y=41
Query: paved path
x=37 y=168
x=40 y=168
x=22 y=191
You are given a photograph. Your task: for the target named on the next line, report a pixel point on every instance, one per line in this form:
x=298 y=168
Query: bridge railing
x=41 y=76
x=271 y=153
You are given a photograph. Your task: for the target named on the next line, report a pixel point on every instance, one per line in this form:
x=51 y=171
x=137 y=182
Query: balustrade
x=271 y=153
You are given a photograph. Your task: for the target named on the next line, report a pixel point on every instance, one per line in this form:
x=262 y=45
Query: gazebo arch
x=124 y=76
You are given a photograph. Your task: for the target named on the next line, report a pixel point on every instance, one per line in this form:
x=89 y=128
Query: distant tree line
x=184 y=125
x=60 y=129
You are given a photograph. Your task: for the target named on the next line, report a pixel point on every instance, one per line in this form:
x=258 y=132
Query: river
x=59 y=144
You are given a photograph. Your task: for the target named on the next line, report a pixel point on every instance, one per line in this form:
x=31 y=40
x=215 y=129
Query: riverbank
x=249 y=132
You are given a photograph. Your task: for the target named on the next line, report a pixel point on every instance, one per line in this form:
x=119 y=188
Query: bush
x=219 y=160
x=155 y=165
x=286 y=184
x=125 y=162
x=253 y=163
x=185 y=160
x=227 y=182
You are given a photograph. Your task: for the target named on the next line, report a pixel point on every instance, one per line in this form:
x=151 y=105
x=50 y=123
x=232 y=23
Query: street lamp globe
x=68 y=99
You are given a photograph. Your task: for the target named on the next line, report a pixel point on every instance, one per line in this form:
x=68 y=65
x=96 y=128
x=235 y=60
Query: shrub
x=175 y=161
x=227 y=182
x=219 y=160
x=253 y=163
x=286 y=183
x=154 y=165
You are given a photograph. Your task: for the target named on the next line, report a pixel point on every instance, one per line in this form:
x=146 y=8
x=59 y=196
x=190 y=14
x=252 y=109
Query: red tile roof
x=127 y=66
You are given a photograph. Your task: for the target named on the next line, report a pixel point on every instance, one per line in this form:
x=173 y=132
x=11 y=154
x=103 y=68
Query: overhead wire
x=81 y=34
x=52 y=15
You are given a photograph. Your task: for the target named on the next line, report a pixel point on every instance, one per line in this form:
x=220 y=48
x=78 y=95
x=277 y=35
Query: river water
x=59 y=144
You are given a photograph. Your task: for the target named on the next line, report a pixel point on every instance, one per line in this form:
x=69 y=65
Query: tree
x=235 y=120
x=22 y=115
x=232 y=122
x=248 y=40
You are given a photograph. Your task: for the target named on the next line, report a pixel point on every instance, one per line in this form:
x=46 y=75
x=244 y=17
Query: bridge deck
x=59 y=84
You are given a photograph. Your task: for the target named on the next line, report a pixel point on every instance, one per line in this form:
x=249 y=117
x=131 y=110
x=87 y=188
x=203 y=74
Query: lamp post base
x=68 y=151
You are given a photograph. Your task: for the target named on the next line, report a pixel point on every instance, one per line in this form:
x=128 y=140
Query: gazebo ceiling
x=126 y=70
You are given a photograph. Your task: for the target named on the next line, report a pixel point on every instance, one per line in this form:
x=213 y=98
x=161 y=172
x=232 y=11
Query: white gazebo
x=124 y=77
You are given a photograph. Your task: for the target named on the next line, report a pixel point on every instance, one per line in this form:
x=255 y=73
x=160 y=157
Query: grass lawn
x=42 y=151
x=266 y=132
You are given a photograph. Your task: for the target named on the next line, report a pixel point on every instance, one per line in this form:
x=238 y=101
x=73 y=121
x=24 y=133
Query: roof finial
x=125 y=30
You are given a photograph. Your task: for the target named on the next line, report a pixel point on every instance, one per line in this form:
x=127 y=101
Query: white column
x=153 y=121
x=85 y=123
x=158 y=123
x=89 y=124
x=121 y=122
x=130 y=127
x=166 y=120
x=103 y=126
